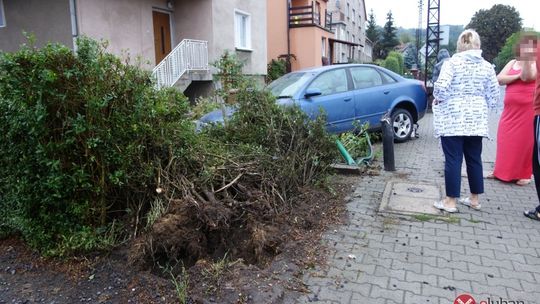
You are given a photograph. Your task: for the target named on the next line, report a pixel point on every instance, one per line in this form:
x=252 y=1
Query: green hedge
x=82 y=135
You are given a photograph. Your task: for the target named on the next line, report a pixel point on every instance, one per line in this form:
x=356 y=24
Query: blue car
x=349 y=93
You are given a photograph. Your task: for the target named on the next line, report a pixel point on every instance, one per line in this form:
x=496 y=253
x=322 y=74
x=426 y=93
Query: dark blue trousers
x=454 y=148
x=536 y=162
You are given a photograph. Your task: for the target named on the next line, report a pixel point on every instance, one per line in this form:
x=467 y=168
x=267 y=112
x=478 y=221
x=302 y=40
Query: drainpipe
x=289 y=36
x=74 y=27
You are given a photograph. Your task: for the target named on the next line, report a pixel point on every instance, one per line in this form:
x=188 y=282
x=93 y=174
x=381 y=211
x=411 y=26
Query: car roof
x=317 y=70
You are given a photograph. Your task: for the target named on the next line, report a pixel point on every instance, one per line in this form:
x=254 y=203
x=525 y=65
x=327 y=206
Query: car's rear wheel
x=402 y=123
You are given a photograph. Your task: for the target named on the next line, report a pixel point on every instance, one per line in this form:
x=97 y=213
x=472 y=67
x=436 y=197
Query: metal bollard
x=388 y=143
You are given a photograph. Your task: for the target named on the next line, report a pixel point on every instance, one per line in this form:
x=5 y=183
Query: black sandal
x=532 y=215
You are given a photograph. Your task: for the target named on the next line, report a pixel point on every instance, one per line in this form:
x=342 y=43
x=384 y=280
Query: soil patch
x=262 y=263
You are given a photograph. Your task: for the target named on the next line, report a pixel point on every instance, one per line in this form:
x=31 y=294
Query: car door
x=373 y=94
x=335 y=100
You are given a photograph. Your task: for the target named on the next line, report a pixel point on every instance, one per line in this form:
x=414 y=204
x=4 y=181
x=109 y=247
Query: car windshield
x=289 y=84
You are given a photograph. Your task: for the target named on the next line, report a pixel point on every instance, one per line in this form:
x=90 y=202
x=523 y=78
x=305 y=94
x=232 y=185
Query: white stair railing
x=188 y=55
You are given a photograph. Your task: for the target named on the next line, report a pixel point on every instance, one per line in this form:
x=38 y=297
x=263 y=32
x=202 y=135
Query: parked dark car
x=349 y=93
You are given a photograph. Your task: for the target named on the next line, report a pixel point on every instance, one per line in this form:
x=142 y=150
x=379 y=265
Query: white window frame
x=2 y=14
x=237 y=29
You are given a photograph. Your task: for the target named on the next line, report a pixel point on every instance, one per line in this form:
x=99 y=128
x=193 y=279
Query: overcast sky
x=454 y=12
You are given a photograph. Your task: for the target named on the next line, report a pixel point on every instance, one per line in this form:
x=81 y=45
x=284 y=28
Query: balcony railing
x=188 y=55
x=309 y=15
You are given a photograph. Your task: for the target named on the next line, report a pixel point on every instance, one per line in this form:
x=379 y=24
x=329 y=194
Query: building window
x=2 y=15
x=242 y=30
x=323 y=46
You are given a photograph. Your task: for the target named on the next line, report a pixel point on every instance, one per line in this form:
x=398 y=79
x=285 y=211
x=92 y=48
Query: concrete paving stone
x=528 y=286
x=532 y=260
x=357 y=299
x=424 y=231
x=452 y=264
x=505 y=282
x=404 y=265
x=448 y=233
x=467 y=243
x=438 y=271
x=460 y=286
x=510 y=257
x=393 y=295
x=405 y=248
x=424 y=244
x=523 y=251
x=445 y=295
x=434 y=253
x=520 y=295
x=503 y=264
x=418 y=299
x=494 y=291
x=425 y=260
x=428 y=279
x=473 y=277
x=331 y=294
x=396 y=284
x=487 y=270
x=476 y=237
x=438 y=239
x=465 y=258
x=355 y=288
x=523 y=276
x=451 y=248
x=391 y=273
x=489 y=253
x=382 y=282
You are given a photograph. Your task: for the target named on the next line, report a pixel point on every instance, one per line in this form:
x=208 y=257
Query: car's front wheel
x=402 y=123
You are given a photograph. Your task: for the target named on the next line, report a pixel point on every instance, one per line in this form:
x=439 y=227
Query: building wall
x=193 y=19
x=351 y=13
x=223 y=29
x=306 y=45
x=126 y=24
x=277 y=28
x=49 y=21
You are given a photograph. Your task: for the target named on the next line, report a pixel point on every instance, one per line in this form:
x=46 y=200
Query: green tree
x=494 y=26
x=410 y=57
x=400 y=60
x=507 y=51
x=389 y=36
x=373 y=33
x=406 y=37
x=392 y=64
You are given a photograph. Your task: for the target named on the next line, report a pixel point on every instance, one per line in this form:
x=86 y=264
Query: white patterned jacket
x=465 y=89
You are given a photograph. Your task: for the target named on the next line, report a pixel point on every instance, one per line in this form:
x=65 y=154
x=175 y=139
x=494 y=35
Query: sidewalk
x=386 y=258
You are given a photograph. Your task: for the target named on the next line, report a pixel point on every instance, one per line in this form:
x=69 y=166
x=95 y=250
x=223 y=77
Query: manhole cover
x=410 y=197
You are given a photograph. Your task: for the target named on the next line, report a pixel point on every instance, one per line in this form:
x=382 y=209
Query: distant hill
x=455 y=30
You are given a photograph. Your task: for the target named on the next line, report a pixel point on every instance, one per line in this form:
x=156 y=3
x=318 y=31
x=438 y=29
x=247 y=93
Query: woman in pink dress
x=515 y=133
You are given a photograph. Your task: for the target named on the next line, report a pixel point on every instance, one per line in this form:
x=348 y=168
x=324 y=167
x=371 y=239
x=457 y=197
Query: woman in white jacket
x=465 y=89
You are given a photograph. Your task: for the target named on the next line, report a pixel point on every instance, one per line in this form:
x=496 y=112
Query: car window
x=387 y=78
x=331 y=82
x=365 y=77
x=287 y=85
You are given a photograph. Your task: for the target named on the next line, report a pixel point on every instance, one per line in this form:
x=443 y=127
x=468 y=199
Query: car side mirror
x=312 y=92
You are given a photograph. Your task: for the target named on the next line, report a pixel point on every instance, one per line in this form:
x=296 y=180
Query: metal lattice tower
x=419 y=30
x=432 y=38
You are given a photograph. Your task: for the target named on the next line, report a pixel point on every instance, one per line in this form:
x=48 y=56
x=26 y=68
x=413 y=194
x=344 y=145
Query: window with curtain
x=242 y=25
x=2 y=15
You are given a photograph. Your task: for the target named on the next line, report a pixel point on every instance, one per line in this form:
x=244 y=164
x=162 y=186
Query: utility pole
x=432 y=39
x=419 y=31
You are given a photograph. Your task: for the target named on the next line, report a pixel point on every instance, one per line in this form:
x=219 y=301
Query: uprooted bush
x=82 y=138
x=90 y=150
x=249 y=175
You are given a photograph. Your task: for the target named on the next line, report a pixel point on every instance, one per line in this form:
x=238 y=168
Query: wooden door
x=162 y=35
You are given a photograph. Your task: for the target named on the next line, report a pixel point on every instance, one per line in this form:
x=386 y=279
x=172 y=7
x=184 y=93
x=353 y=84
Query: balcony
x=309 y=15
